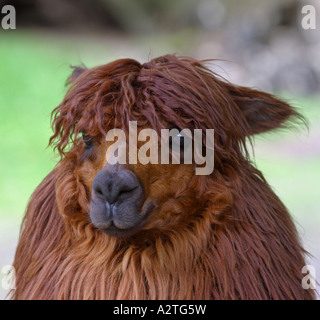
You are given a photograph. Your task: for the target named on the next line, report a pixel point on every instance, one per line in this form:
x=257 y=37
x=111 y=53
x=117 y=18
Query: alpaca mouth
x=113 y=230
x=119 y=220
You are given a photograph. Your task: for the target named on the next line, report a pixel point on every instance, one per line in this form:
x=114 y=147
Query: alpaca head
x=129 y=198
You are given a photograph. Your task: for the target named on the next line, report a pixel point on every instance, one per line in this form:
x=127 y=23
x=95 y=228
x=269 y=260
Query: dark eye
x=177 y=140
x=88 y=140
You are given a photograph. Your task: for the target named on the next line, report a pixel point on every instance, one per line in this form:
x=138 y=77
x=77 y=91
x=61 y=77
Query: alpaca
x=95 y=230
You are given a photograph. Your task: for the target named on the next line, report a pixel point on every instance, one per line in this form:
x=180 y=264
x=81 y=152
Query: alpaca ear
x=77 y=71
x=262 y=111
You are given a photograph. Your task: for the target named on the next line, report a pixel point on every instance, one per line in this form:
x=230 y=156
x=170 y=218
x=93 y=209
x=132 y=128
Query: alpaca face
x=126 y=198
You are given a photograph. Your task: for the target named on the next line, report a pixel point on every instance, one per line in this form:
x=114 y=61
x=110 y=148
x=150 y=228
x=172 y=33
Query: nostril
x=126 y=189
x=98 y=191
x=126 y=192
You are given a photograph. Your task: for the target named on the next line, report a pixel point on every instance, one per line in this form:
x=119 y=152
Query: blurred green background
x=260 y=44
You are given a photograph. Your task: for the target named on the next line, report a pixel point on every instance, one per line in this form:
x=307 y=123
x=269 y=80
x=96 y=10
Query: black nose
x=117 y=205
x=114 y=185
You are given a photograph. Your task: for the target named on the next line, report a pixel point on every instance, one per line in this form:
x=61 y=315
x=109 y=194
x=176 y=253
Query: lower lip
x=112 y=230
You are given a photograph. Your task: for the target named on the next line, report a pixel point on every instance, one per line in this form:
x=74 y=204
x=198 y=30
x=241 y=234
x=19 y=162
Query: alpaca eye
x=88 y=141
x=177 y=141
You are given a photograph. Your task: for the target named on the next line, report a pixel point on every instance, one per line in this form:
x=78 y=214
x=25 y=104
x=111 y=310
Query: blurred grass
x=33 y=71
x=31 y=83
